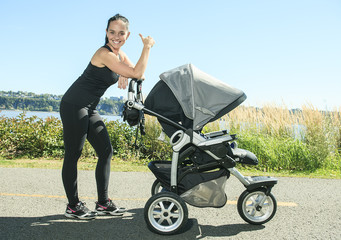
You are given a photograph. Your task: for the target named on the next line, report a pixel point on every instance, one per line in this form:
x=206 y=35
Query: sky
x=279 y=52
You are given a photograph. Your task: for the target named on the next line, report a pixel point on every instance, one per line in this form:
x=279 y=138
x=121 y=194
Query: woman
x=81 y=121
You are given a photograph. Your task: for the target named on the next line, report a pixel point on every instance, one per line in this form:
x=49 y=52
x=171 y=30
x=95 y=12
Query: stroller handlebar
x=131 y=91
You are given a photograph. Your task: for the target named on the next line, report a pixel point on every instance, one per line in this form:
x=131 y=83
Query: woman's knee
x=108 y=152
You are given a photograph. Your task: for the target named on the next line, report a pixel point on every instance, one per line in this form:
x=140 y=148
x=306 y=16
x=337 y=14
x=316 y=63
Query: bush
x=305 y=139
x=122 y=138
x=278 y=153
x=30 y=137
x=34 y=137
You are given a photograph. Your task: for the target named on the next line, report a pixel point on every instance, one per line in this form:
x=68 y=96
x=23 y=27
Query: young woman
x=81 y=121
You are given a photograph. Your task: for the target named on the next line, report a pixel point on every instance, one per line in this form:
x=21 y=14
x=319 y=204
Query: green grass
x=83 y=164
x=118 y=165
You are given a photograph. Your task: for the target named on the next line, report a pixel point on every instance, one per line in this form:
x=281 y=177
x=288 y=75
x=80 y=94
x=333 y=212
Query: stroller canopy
x=202 y=97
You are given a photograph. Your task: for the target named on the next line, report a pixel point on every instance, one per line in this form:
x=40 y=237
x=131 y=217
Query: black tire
x=165 y=213
x=251 y=212
x=156 y=187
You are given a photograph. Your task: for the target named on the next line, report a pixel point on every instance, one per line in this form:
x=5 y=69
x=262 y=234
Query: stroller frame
x=166 y=212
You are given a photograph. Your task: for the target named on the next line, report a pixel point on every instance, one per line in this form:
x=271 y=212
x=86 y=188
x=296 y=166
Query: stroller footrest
x=261 y=181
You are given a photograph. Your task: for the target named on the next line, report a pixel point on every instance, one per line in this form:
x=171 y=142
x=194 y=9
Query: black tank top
x=87 y=90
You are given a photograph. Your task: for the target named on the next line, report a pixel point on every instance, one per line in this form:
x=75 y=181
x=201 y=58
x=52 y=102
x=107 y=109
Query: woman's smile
x=117 y=33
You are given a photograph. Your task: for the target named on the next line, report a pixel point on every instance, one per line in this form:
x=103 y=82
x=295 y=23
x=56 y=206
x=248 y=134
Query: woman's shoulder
x=97 y=58
x=103 y=55
x=103 y=50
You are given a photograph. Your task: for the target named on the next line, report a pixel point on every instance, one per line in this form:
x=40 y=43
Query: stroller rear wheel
x=255 y=207
x=165 y=213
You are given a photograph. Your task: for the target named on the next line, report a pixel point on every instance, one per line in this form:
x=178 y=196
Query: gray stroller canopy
x=202 y=97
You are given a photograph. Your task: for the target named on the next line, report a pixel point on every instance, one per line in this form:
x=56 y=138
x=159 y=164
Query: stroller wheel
x=165 y=213
x=254 y=209
x=156 y=187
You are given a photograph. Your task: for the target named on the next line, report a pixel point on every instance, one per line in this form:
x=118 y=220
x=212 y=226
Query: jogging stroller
x=184 y=101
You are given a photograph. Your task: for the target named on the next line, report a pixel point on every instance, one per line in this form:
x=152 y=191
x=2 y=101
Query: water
x=298 y=130
x=43 y=115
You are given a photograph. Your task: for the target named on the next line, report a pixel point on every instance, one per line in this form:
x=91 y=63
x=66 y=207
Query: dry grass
x=305 y=138
x=278 y=120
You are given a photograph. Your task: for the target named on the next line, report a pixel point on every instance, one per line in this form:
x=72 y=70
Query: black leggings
x=80 y=124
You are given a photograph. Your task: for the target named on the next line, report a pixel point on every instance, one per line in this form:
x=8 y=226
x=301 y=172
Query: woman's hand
x=122 y=82
x=147 y=41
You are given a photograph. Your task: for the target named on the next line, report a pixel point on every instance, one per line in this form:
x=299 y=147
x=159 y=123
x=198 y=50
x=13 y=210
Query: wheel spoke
x=250 y=210
x=157 y=213
x=169 y=221
x=170 y=206
x=174 y=215
x=261 y=212
x=253 y=200
x=266 y=205
x=262 y=200
x=258 y=198
x=253 y=212
x=160 y=220
x=162 y=206
x=249 y=207
x=249 y=203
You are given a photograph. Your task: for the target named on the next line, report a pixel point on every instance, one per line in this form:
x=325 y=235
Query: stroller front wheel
x=255 y=207
x=156 y=187
x=165 y=213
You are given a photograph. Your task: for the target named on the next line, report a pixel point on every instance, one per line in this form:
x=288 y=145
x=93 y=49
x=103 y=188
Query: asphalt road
x=32 y=204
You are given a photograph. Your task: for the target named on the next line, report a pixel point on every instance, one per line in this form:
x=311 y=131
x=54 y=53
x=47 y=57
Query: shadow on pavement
x=129 y=226
x=226 y=230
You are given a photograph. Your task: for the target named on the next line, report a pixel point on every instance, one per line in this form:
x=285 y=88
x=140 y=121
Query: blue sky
x=285 y=52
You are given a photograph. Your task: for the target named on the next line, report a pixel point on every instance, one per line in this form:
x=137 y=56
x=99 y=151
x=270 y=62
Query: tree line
x=28 y=101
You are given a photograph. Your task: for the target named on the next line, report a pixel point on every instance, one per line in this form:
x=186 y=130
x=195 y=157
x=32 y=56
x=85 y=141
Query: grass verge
x=117 y=165
x=83 y=164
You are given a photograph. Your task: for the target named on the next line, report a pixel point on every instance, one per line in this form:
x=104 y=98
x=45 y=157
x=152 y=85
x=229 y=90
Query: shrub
x=30 y=137
x=305 y=139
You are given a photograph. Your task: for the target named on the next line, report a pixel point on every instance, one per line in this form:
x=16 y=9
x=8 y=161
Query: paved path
x=32 y=204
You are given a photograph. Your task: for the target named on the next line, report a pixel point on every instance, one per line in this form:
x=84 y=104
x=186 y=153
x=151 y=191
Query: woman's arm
x=112 y=61
x=126 y=60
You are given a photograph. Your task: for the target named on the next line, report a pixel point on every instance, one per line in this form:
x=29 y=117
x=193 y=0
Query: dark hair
x=115 y=18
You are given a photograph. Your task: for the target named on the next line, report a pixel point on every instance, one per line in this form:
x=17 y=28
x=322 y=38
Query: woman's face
x=117 y=34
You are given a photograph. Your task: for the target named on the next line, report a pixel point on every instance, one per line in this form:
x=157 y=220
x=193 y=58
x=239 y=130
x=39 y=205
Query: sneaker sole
x=103 y=213
x=68 y=215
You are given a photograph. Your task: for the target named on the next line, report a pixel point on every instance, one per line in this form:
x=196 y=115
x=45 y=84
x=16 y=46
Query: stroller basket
x=200 y=189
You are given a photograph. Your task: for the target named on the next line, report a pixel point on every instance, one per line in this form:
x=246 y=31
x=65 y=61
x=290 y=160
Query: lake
x=297 y=129
x=43 y=115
